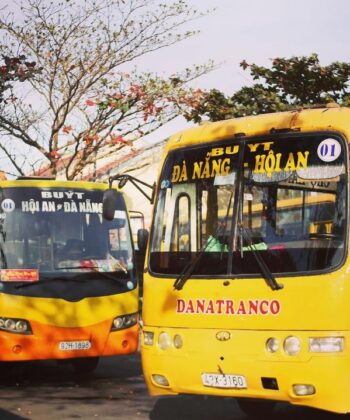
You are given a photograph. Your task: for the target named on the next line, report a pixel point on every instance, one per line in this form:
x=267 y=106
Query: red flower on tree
x=67 y=129
x=117 y=139
x=54 y=154
x=89 y=138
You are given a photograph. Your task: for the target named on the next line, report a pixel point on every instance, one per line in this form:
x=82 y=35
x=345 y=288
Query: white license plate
x=74 y=345
x=216 y=380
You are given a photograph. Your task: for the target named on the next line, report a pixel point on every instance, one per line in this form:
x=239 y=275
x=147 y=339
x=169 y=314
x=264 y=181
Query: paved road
x=115 y=391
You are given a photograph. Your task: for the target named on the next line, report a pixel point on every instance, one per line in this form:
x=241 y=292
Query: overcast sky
x=256 y=30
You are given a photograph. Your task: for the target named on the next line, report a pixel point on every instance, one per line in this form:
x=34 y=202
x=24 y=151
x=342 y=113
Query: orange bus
x=67 y=276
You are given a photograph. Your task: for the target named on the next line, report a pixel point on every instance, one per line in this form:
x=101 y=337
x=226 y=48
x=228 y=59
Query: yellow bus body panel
x=61 y=313
x=326 y=119
x=234 y=341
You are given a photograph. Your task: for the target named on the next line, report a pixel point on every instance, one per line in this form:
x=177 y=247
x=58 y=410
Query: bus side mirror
x=124 y=178
x=142 y=239
x=109 y=203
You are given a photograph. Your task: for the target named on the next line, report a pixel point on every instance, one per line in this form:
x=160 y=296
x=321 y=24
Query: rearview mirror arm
x=134 y=181
x=141 y=191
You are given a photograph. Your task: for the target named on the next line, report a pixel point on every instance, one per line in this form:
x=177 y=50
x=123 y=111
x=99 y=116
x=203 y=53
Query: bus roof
x=330 y=118
x=50 y=183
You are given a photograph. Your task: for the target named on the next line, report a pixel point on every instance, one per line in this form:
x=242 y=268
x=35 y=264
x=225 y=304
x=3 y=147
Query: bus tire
x=85 y=364
x=256 y=409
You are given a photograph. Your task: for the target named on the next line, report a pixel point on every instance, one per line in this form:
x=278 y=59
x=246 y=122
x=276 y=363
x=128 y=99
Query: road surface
x=116 y=390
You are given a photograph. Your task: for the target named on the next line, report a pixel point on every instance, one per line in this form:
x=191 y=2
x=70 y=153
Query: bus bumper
x=275 y=376
x=50 y=342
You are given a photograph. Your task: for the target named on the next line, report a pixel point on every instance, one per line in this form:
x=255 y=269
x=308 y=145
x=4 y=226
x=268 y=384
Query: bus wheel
x=85 y=364
x=256 y=409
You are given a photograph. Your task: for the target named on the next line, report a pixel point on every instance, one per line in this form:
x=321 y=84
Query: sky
x=254 y=30
x=257 y=31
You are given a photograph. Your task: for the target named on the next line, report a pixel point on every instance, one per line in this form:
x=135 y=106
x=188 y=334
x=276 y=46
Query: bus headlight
x=272 y=345
x=124 y=321
x=164 y=341
x=15 y=325
x=21 y=326
x=326 y=344
x=292 y=345
x=10 y=324
x=178 y=343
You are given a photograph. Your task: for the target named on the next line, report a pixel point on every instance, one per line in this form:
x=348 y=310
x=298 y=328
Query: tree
x=12 y=70
x=289 y=83
x=83 y=105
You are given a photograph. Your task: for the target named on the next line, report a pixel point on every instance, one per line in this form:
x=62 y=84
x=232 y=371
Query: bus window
x=209 y=204
x=216 y=215
x=180 y=240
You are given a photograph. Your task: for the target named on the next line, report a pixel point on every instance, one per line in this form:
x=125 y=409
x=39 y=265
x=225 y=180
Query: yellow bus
x=67 y=277
x=246 y=280
x=319 y=209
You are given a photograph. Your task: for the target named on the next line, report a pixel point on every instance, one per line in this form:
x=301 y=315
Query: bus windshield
x=287 y=194
x=57 y=230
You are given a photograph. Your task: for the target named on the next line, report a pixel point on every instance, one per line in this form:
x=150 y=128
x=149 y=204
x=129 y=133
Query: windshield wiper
x=265 y=271
x=189 y=267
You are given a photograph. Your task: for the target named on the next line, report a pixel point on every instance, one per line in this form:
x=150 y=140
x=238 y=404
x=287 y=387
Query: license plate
x=74 y=345
x=216 y=380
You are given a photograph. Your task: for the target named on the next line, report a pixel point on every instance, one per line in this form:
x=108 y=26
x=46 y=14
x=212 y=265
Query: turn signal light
x=326 y=344
x=148 y=337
